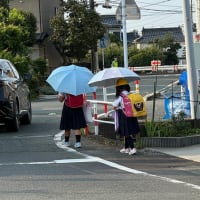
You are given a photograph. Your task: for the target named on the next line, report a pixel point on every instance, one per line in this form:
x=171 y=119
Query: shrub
x=176 y=127
x=47 y=90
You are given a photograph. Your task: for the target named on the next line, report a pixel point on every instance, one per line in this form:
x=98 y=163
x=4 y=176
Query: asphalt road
x=35 y=165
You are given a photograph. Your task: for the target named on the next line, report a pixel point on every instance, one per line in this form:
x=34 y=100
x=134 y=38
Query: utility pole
x=94 y=53
x=129 y=10
x=191 y=69
x=124 y=34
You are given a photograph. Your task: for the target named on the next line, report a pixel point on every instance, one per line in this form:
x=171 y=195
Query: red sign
x=155 y=62
x=197 y=37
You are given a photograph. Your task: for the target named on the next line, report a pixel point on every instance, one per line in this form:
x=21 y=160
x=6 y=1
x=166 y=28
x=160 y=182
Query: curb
x=169 y=142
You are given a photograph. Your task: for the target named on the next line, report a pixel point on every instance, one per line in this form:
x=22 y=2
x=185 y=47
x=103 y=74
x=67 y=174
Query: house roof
x=110 y=21
x=150 y=34
x=131 y=36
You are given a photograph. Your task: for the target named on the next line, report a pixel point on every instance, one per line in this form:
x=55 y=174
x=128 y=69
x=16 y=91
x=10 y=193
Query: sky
x=154 y=13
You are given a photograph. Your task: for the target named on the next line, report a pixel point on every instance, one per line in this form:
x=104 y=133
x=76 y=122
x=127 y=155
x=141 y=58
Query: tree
x=170 y=54
x=143 y=57
x=27 y=22
x=4 y=4
x=169 y=49
x=164 y=49
x=110 y=52
x=39 y=67
x=4 y=12
x=114 y=39
x=16 y=35
x=75 y=30
x=12 y=38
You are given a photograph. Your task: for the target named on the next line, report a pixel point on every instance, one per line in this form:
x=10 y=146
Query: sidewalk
x=189 y=152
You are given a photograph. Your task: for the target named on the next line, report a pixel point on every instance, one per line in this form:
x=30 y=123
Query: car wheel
x=27 y=118
x=13 y=124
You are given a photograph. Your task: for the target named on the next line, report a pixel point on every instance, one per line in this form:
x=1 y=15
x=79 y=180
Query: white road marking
x=88 y=158
x=33 y=136
x=58 y=140
x=52 y=114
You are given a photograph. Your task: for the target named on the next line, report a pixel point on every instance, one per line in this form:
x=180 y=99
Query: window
x=55 y=10
x=13 y=71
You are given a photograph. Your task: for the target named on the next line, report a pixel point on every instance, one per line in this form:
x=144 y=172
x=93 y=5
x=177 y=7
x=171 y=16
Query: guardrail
x=106 y=112
x=154 y=68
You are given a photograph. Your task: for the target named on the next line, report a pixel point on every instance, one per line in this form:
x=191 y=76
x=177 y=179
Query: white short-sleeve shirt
x=118 y=102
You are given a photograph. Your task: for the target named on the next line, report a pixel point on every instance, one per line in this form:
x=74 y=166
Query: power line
x=153 y=4
x=163 y=11
x=158 y=13
x=154 y=13
x=158 y=4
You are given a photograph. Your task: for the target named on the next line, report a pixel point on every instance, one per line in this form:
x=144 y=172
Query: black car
x=15 y=101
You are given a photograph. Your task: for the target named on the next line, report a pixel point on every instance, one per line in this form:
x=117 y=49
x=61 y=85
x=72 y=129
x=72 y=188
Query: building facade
x=43 y=10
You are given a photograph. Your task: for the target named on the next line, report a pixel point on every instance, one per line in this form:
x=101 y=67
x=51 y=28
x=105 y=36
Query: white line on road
x=58 y=142
x=88 y=158
x=33 y=136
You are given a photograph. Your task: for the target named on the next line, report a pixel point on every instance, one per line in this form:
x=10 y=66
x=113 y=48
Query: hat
x=121 y=81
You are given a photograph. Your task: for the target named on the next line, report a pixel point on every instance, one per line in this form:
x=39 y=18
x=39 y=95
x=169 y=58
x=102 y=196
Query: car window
x=14 y=71
x=8 y=70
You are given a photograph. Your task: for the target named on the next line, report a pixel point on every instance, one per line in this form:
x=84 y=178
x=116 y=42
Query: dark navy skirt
x=127 y=125
x=72 y=118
